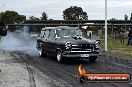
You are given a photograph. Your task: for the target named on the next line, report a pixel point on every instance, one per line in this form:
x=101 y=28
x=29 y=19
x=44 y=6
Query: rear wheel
x=92 y=59
x=59 y=56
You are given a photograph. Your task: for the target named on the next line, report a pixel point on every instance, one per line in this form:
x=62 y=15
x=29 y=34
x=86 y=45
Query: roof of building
x=60 y=27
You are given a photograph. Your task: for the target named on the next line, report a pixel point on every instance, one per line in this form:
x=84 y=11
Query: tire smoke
x=19 y=40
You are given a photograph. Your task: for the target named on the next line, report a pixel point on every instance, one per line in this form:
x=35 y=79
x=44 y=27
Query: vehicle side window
x=42 y=34
x=52 y=34
x=46 y=34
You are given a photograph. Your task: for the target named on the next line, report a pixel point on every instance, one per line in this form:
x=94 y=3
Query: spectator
x=3 y=31
x=121 y=35
x=130 y=37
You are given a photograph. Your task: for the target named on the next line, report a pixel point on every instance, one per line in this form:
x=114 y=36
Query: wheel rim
x=40 y=52
x=58 y=56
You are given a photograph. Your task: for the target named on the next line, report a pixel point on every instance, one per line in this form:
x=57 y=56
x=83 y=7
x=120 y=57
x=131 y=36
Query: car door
x=40 y=39
x=46 y=40
x=52 y=43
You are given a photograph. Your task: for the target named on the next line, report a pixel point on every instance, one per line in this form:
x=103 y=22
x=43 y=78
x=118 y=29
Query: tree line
x=12 y=17
x=71 y=13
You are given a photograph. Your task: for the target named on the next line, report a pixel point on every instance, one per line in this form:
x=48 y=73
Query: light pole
x=105 y=25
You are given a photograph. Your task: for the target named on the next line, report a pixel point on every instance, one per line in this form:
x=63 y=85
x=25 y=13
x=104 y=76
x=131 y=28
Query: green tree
x=113 y=19
x=75 y=13
x=33 y=18
x=126 y=17
x=11 y=16
x=44 y=16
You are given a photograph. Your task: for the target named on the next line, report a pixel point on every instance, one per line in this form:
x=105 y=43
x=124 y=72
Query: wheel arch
x=58 y=49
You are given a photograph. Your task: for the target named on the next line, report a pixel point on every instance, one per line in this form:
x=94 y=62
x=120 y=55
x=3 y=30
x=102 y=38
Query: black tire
x=92 y=59
x=82 y=79
x=59 y=56
x=42 y=53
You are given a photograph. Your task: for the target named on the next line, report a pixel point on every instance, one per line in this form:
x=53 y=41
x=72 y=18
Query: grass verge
x=115 y=46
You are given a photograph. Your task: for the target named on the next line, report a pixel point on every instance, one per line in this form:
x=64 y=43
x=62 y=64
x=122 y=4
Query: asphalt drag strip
x=65 y=75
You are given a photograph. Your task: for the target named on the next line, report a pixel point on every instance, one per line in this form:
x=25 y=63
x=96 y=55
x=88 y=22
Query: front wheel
x=59 y=56
x=92 y=59
x=41 y=53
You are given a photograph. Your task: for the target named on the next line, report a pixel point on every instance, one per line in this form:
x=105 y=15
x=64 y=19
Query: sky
x=54 y=8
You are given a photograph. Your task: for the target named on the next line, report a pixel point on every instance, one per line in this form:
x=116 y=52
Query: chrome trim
x=80 y=48
x=75 y=48
x=81 y=51
x=97 y=50
x=75 y=45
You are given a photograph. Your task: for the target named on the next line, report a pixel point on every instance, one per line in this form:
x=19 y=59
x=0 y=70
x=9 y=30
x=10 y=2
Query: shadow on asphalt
x=70 y=62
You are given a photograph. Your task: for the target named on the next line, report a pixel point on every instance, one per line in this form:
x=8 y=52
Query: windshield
x=69 y=32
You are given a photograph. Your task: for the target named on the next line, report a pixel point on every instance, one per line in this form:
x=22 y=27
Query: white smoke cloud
x=18 y=41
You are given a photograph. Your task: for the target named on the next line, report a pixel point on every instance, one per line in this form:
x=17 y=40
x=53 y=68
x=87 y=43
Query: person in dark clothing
x=3 y=30
x=130 y=38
